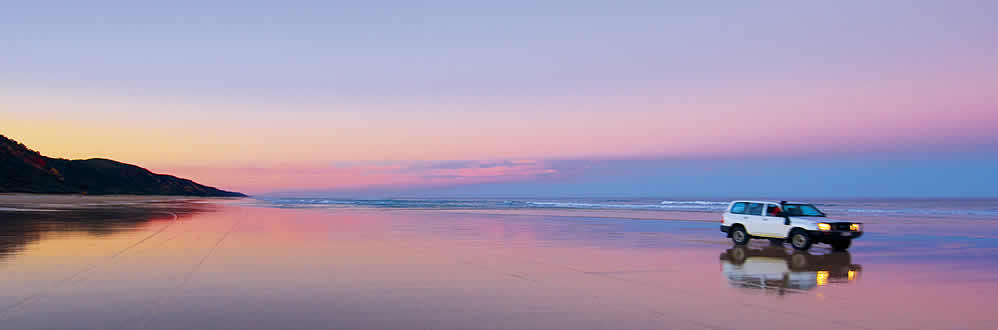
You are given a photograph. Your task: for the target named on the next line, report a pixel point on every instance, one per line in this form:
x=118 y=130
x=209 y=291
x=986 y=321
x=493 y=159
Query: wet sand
x=219 y=264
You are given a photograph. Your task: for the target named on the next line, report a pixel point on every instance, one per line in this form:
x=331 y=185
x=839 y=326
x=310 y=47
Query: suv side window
x=755 y=209
x=739 y=208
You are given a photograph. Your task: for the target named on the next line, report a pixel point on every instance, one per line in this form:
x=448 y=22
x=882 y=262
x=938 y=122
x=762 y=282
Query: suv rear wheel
x=739 y=235
x=800 y=240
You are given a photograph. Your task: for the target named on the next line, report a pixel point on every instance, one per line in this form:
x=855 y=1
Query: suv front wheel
x=800 y=240
x=739 y=235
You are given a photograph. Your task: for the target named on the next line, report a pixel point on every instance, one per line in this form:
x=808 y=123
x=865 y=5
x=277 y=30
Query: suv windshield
x=802 y=210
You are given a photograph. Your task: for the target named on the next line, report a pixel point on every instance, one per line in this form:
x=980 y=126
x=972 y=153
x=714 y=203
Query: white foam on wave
x=919 y=211
x=693 y=203
x=575 y=205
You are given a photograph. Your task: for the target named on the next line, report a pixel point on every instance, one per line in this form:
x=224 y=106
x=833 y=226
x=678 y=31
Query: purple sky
x=515 y=97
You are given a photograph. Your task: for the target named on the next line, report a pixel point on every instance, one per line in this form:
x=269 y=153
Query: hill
x=25 y=170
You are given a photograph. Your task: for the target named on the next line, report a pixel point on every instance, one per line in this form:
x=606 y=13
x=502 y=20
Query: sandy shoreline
x=71 y=200
x=25 y=197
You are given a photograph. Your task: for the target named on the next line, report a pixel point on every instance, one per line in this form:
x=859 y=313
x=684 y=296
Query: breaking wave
x=900 y=207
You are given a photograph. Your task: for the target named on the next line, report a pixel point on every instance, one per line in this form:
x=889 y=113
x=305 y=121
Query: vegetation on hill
x=25 y=170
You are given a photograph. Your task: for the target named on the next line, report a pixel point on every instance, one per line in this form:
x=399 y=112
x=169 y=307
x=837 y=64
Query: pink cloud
x=366 y=175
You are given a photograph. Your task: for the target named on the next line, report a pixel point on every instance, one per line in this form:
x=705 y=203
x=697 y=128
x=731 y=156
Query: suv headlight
x=855 y=227
x=824 y=226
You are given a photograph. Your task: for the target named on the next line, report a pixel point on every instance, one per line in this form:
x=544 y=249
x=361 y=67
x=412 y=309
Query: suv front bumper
x=833 y=235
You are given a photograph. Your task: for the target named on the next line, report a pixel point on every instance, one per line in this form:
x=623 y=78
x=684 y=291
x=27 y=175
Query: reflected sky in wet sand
x=222 y=265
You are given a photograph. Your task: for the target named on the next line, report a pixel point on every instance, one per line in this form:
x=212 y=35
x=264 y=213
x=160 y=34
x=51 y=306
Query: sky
x=587 y=98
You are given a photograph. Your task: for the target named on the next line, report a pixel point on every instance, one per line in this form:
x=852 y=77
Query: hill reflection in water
x=22 y=225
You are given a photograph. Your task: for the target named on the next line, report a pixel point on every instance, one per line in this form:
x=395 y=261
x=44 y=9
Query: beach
x=183 y=263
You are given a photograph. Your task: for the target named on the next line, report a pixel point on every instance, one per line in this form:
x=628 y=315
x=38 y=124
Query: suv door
x=775 y=226
x=753 y=219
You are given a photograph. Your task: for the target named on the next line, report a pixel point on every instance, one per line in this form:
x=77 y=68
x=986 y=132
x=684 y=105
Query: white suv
x=800 y=223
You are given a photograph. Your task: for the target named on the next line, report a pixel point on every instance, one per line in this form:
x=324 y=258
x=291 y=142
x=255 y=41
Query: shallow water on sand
x=194 y=264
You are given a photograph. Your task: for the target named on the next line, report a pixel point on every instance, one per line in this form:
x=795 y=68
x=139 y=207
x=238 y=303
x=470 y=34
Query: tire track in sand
x=6 y=312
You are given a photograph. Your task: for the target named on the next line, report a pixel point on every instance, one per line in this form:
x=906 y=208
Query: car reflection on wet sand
x=780 y=270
